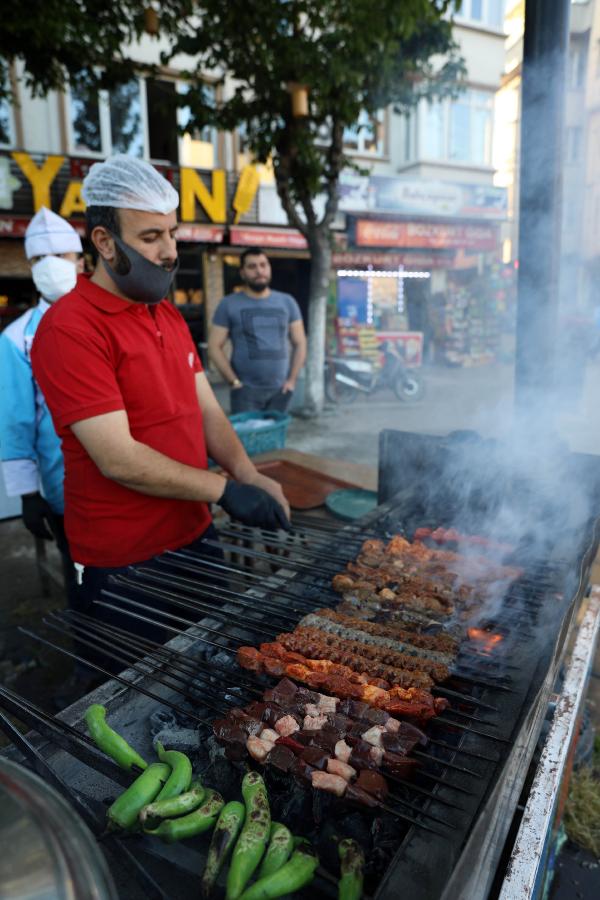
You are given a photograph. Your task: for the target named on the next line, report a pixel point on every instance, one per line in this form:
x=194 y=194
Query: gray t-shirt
x=258 y=330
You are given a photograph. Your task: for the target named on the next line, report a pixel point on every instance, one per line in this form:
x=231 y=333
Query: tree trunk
x=320 y=271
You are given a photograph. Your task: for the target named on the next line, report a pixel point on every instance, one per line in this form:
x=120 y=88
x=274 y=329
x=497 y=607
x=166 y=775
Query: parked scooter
x=348 y=377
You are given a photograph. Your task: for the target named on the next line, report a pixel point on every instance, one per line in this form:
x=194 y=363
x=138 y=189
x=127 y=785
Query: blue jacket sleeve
x=17 y=403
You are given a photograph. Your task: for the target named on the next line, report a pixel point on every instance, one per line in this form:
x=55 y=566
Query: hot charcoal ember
x=438 y=671
x=440 y=643
x=337 y=624
x=317 y=655
x=412 y=702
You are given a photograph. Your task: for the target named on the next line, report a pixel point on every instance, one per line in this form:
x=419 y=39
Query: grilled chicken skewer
x=396 y=700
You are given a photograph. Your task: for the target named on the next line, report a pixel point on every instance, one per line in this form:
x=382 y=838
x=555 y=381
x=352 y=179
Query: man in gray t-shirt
x=261 y=325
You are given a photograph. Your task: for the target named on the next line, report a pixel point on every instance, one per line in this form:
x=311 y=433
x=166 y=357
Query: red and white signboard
x=429 y=235
x=204 y=234
x=287 y=239
x=412 y=260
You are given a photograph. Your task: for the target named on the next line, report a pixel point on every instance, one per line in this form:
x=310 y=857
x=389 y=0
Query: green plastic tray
x=351 y=503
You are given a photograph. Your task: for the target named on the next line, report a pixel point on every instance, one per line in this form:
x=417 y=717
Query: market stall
x=435 y=703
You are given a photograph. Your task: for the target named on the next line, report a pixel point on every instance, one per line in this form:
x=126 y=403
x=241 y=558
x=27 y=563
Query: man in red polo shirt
x=123 y=381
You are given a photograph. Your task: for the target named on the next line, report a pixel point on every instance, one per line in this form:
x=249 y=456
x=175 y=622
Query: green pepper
x=226 y=831
x=253 y=839
x=173 y=806
x=109 y=741
x=126 y=808
x=181 y=772
x=196 y=822
x=295 y=874
x=352 y=864
x=281 y=843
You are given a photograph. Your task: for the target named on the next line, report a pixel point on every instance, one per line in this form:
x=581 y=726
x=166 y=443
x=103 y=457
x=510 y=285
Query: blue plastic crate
x=259 y=440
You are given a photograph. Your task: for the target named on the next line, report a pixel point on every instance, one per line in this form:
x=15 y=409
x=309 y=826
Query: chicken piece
x=333 y=784
x=286 y=725
x=259 y=749
x=327 y=704
x=314 y=723
x=269 y=734
x=337 y=767
x=342 y=751
x=373 y=735
x=312 y=709
x=341 y=583
x=376 y=754
x=373 y=695
x=392 y=725
x=373 y=546
x=249 y=658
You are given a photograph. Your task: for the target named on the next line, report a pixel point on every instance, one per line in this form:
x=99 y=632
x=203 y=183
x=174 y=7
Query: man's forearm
x=150 y=472
x=224 y=446
x=222 y=363
x=298 y=360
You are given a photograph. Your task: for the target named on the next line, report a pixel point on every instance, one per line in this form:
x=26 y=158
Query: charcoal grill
x=449 y=825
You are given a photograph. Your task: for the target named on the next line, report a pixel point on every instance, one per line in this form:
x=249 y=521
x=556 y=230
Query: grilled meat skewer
x=341 y=628
x=440 y=643
x=312 y=653
x=438 y=671
x=250 y=658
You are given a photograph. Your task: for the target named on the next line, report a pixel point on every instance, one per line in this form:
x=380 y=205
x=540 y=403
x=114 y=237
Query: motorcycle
x=347 y=377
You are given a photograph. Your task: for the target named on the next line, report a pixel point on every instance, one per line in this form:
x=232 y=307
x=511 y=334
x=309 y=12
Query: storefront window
x=126 y=127
x=86 y=135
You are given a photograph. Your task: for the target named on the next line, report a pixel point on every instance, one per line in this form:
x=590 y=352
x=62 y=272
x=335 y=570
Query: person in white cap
x=32 y=462
x=129 y=399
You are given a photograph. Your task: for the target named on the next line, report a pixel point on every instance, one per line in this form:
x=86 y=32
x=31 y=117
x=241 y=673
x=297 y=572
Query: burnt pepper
x=226 y=831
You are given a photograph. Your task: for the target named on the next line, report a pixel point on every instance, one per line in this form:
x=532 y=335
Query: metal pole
x=545 y=48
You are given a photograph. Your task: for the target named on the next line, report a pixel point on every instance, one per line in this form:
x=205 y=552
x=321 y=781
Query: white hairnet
x=48 y=234
x=126 y=182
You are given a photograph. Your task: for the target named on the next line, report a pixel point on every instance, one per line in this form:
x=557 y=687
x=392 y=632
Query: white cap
x=48 y=234
x=126 y=182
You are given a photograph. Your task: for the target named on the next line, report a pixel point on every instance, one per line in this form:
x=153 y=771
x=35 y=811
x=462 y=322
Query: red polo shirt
x=94 y=353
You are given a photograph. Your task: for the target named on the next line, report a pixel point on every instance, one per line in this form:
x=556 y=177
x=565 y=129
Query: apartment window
x=573 y=139
x=434 y=133
x=108 y=122
x=577 y=66
x=458 y=130
x=126 y=118
x=162 y=120
x=197 y=147
x=7 y=127
x=366 y=136
x=483 y=12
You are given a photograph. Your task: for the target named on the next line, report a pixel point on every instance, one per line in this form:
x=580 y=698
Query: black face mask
x=144 y=281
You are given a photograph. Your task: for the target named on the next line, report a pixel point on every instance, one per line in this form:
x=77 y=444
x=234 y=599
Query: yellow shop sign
x=203 y=196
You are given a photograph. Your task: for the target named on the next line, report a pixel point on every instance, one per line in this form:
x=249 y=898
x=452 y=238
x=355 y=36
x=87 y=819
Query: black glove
x=37 y=516
x=252 y=506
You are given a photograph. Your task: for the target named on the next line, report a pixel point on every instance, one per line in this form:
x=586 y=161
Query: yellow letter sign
x=193 y=189
x=39 y=179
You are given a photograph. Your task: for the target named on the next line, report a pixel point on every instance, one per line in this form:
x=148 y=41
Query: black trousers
x=58 y=529
x=97 y=588
x=250 y=399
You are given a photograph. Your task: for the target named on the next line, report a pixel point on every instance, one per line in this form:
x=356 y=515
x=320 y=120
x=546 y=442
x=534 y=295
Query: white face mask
x=54 y=277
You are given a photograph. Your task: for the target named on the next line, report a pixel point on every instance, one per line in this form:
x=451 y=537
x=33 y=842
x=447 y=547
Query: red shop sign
x=430 y=235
